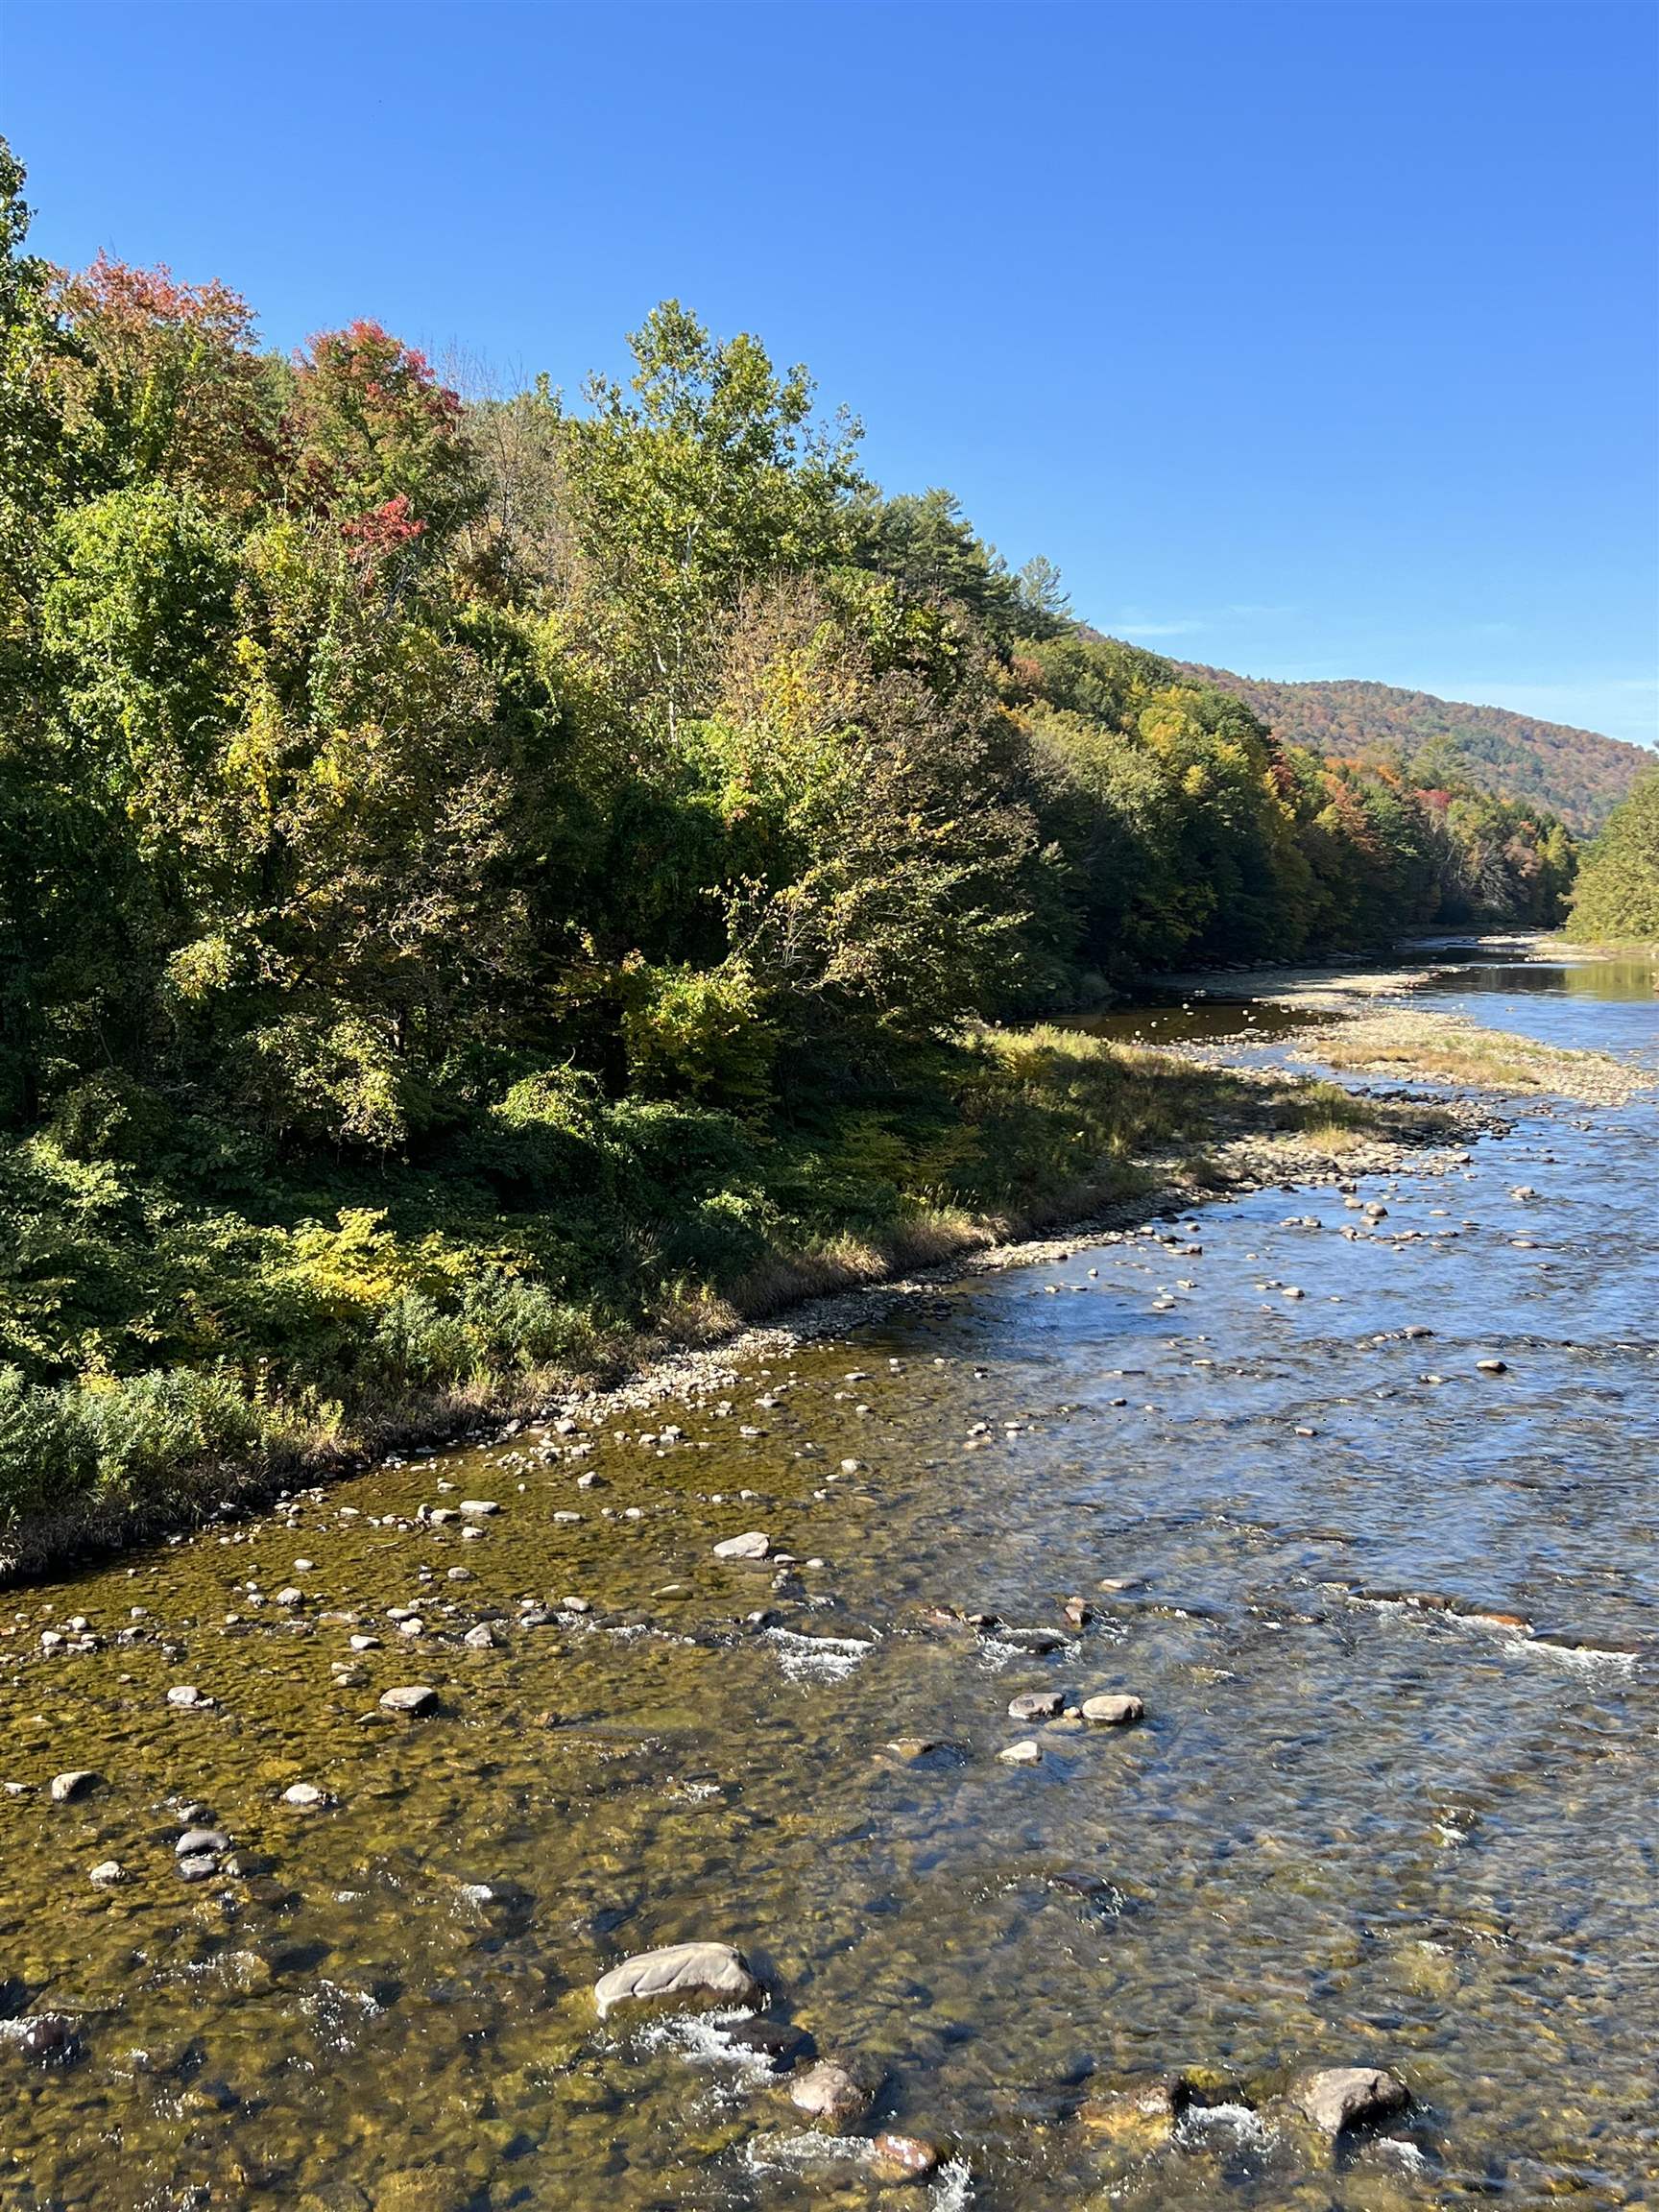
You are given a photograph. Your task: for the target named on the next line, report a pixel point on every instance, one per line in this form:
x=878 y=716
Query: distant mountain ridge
x=1578 y=773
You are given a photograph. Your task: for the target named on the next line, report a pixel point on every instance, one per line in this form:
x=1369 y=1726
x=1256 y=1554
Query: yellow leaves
x=359 y=1262
x=196 y=971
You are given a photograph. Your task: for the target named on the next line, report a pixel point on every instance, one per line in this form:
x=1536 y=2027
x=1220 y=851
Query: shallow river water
x=1395 y=1622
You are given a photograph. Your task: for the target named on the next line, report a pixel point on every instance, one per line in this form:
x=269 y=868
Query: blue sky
x=1309 y=340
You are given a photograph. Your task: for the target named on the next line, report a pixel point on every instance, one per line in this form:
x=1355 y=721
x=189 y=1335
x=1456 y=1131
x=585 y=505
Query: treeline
x=456 y=854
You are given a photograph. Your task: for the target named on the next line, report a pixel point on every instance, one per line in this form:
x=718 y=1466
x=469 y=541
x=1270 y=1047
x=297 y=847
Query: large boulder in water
x=712 y=1973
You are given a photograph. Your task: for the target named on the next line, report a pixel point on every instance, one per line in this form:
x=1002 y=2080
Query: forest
x=1575 y=774
x=481 y=872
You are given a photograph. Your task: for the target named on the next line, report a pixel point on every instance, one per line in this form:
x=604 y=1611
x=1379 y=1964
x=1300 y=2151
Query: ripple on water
x=817 y=1658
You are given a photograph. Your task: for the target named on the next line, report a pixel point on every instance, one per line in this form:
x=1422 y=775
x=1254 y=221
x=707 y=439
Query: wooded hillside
x=1575 y=772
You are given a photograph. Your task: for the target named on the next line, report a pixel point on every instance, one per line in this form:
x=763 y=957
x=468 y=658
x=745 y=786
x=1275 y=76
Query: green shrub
x=47 y=1455
x=698 y=1033
x=145 y=1429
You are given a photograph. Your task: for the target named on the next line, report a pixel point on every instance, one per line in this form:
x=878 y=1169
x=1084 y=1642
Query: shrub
x=146 y=1430
x=46 y=1450
x=698 y=1033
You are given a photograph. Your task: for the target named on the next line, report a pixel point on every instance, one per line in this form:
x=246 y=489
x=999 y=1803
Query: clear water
x=1392 y=1801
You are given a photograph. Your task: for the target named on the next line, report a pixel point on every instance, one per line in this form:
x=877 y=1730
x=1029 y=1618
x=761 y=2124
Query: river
x=1394 y=1620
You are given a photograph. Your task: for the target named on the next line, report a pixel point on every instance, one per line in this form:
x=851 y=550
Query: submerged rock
x=836 y=2094
x=753 y=1544
x=1338 y=2098
x=49 y=2041
x=782 y=2046
x=1037 y=1640
x=714 y=1972
x=76 y=1783
x=1138 y=2119
x=422 y=2189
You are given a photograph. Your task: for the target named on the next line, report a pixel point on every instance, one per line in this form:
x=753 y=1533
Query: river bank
x=1331 y=1498
x=1256 y=1126
x=1097 y=1132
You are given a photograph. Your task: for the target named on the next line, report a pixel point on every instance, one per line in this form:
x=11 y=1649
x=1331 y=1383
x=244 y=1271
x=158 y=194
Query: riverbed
x=1353 y=1489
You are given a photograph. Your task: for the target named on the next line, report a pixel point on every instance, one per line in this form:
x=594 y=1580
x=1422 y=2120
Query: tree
x=164 y=385
x=37 y=463
x=706 y=471
x=882 y=847
x=1617 y=893
x=382 y=444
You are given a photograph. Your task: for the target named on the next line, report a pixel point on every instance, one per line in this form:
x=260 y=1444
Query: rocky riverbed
x=1157 y=1718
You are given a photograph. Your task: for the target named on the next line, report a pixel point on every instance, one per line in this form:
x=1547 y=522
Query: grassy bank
x=163 y=1350
x=1446 y=1049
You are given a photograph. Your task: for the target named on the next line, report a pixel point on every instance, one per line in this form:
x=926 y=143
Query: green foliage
x=927 y=544
x=706 y=472
x=697 y=1033
x=476 y=879
x=1617 y=893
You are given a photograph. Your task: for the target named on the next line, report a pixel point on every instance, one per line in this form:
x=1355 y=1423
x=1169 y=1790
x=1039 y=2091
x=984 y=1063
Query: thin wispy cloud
x=1148 y=626
x=1135 y=624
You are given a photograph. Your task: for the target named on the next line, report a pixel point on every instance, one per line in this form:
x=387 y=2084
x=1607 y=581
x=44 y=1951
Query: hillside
x=1578 y=773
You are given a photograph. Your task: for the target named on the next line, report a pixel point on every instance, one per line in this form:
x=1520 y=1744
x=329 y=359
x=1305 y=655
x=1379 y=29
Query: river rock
x=1115 y=1711
x=1338 y=2098
x=753 y=1544
x=76 y=1783
x=411 y=1698
x=714 y=1972
x=1027 y=1752
x=780 y=2046
x=108 y=1873
x=834 y=2093
x=479 y=1508
x=49 y=2041
x=900 y=2158
x=305 y=1796
x=202 y=1842
x=1037 y=1705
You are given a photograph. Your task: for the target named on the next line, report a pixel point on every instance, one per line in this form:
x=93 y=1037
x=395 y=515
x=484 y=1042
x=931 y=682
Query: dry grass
x=1448 y=1050
x=928 y=1238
